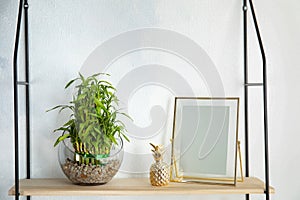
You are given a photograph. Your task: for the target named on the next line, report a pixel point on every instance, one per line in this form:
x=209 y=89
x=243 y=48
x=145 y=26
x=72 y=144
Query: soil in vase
x=89 y=169
x=89 y=174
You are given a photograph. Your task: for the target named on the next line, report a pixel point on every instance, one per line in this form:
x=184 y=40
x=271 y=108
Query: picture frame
x=204 y=140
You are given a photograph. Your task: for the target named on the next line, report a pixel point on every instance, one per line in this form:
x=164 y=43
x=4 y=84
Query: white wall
x=64 y=34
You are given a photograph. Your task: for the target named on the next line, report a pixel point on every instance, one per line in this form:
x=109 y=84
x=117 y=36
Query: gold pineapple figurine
x=159 y=171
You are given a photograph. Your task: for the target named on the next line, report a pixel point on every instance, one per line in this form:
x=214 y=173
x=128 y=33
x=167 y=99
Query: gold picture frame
x=205 y=145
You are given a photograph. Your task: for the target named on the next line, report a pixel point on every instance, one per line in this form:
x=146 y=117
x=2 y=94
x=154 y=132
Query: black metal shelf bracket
x=16 y=83
x=265 y=99
x=22 y=83
x=253 y=84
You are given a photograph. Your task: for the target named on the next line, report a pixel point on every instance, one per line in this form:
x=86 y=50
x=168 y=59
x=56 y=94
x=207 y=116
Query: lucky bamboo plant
x=93 y=125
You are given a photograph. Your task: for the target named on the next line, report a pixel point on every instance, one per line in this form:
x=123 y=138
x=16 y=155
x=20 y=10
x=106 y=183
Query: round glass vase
x=88 y=169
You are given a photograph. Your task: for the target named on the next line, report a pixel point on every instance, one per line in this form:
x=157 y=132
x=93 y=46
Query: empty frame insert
x=204 y=140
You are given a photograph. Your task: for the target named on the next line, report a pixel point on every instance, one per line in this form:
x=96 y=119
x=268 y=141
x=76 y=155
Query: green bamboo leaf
x=126 y=138
x=95 y=115
x=106 y=82
x=81 y=127
x=80 y=97
x=64 y=107
x=71 y=121
x=113 y=116
x=101 y=74
x=97 y=130
x=70 y=83
x=95 y=75
x=112 y=138
x=126 y=115
x=88 y=130
x=81 y=77
x=107 y=141
x=54 y=108
x=61 y=138
x=120 y=122
x=99 y=103
x=61 y=129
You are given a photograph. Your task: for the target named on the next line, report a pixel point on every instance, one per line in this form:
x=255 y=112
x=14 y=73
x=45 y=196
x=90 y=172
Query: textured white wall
x=64 y=33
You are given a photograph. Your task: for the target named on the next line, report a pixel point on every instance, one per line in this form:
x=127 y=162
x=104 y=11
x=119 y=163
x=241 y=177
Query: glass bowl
x=90 y=169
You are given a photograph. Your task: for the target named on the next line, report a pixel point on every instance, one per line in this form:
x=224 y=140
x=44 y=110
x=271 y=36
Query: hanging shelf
x=133 y=186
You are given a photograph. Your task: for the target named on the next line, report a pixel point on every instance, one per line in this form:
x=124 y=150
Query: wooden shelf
x=132 y=186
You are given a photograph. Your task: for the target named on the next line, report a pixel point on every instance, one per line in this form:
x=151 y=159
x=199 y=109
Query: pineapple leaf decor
x=159 y=171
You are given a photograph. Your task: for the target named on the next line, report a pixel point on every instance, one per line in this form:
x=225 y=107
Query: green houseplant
x=93 y=129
